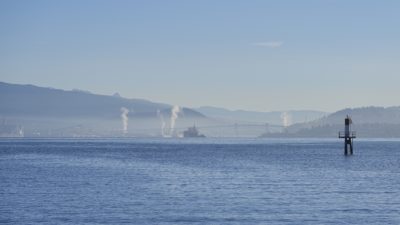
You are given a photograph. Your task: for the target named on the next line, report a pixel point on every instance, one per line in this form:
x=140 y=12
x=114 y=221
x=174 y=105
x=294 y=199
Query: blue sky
x=255 y=55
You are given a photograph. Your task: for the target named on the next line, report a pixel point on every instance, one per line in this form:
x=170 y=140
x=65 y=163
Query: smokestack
x=124 y=118
x=174 y=116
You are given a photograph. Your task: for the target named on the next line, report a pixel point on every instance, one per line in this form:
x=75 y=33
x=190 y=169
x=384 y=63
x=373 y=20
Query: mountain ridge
x=39 y=110
x=31 y=100
x=368 y=122
x=32 y=111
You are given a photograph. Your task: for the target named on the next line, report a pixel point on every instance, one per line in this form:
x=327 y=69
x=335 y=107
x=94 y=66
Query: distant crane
x=348 y=136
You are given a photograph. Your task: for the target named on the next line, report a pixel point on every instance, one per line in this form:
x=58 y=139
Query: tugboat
x=192 y=132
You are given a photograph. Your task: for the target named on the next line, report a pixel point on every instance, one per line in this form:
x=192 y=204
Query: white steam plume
x=174 y=116
x=161 y=116
x=286 y=119
x=124 y=118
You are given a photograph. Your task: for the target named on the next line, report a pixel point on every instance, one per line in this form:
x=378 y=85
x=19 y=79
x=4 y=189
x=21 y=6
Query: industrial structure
x=192 y=132
x=348 y=136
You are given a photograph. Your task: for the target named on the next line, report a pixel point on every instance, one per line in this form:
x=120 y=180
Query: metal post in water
x=348 y=136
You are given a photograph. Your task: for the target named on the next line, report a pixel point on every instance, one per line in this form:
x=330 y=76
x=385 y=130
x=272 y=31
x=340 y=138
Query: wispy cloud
x=269 y=44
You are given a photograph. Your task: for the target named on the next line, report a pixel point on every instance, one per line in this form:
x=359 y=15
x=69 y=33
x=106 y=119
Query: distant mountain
x=31 y=111
x=32 y=101
x=367 y=122
x=28 y=110
x=366 y=115
x=274 y=117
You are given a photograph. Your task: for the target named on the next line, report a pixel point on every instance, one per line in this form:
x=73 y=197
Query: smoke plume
x=174 y=116
x=124 y=118
x=161 y=116
x=286 y=119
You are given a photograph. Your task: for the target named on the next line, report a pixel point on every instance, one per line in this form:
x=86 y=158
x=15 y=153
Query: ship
x=192 y=132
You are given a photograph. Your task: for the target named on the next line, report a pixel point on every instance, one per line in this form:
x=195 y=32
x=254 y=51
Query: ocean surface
x=198 y=181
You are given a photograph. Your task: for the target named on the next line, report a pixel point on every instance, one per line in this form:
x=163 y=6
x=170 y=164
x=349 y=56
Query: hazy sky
x=256 y=55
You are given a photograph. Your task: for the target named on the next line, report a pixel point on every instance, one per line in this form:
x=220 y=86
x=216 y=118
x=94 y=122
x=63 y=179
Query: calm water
x=203 y=181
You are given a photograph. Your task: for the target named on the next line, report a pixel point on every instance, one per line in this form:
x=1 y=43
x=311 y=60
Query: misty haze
x=199 y=112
